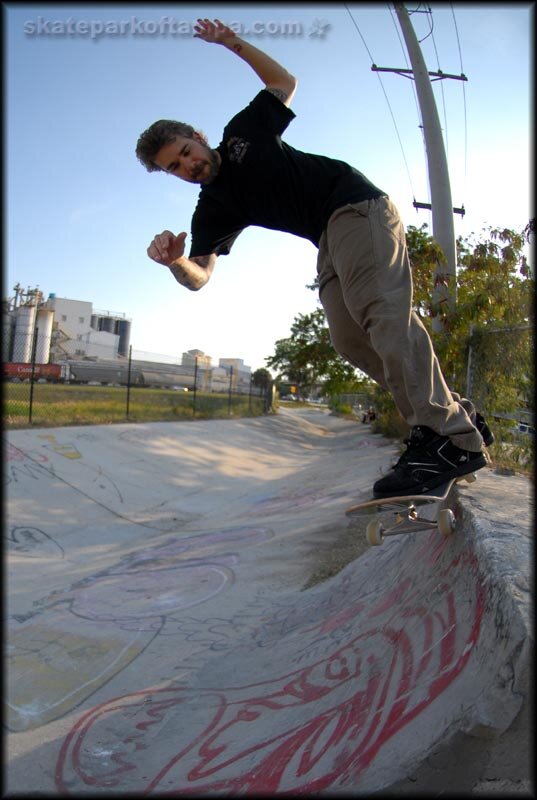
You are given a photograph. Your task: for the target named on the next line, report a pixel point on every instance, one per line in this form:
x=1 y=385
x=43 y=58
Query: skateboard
x=406 y=515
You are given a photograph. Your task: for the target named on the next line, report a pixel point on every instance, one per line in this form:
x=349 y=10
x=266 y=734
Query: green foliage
x=389 y=421
x=492 y=328
x=342 y=408
x=501 y=374
x=307 y=357
x=261 y=378
x=494 y=290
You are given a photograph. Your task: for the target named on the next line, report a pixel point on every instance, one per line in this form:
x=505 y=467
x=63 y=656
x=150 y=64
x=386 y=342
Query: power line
x=418 y=112
x=457 y=35
x=386 y=98
x=464 y=100
x=418 y=10
x=430 y=21
x=430 y=14
x=403 y=50
x=421 y=9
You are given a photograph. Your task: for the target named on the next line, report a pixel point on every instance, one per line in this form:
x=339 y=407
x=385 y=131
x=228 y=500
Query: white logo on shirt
x=237 y=148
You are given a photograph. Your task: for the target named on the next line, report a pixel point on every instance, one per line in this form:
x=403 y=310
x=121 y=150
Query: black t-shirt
x=263 y=181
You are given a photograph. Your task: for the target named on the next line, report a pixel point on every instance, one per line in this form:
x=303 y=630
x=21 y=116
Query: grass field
x=63 y=404
x=58 y=405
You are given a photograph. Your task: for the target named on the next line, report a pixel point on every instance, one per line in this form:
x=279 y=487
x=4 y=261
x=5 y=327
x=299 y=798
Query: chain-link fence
x=501 y=383
x=142 y=389
x=500 y=377
x=362 y=404
x=500 y=380
x=88 y=390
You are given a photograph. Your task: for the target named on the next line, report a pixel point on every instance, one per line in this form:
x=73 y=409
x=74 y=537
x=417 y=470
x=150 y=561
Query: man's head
x=178 y=149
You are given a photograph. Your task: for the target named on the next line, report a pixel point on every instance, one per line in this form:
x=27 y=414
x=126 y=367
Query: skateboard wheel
x=470 y=478
x=374 y=532
x=446 y=521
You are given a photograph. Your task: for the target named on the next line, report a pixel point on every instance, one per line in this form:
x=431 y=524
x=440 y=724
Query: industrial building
x=62 y=329
x=76 y=343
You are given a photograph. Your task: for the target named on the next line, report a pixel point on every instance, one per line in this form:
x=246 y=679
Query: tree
x=307 y=356
x=261 y=378
x=495 y=293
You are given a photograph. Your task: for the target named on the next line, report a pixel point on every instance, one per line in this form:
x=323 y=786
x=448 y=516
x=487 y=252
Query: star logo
x=319 y=28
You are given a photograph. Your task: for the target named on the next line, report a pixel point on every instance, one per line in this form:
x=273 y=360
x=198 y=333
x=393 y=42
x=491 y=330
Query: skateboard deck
x=405 y=516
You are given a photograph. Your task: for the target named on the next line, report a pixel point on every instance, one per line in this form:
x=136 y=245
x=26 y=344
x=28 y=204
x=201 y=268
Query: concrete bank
x=164 y=633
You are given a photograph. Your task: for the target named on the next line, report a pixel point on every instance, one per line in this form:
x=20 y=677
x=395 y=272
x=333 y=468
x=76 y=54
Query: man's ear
x=200 y=137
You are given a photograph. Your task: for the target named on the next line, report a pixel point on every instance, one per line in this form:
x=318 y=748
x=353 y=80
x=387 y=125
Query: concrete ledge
x=490 y=751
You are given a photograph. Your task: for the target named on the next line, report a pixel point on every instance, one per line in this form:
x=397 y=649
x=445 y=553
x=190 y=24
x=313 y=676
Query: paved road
x=176 y=620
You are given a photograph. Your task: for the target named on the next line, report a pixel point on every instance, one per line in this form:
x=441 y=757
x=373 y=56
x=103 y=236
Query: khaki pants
x=366 y=291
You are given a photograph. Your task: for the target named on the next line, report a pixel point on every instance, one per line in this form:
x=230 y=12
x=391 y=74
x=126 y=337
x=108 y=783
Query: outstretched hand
x=215 y=32
x=167 y=248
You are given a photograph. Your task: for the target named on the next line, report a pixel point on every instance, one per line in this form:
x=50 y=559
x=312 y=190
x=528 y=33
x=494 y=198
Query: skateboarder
x=365 y=284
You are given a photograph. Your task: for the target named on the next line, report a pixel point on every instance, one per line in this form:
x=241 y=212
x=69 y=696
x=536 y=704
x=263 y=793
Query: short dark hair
x=157 y=135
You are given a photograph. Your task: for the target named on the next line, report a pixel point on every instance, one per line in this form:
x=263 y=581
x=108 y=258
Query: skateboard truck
x=406 y=519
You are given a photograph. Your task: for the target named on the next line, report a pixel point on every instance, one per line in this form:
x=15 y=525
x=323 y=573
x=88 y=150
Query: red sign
x=15 y=370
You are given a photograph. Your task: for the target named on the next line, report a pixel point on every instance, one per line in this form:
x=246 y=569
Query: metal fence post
x=195 y=386
x=129 y=381
x=230 y=388
x=469 y=374
x=32 y=376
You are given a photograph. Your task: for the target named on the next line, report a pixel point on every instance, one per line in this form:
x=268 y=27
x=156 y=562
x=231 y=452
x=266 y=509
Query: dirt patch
x=333 y=555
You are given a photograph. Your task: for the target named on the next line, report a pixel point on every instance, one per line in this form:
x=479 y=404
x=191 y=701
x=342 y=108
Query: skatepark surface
x=188 y=611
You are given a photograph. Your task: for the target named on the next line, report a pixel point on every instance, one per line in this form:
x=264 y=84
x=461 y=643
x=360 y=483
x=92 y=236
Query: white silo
x=45 y=318
x=24 y=334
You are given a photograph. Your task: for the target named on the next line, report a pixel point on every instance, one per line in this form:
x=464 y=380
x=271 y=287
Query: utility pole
x=444 y=289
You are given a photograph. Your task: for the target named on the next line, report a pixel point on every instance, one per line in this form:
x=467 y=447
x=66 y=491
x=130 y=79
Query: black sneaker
x=484 y=430
x=429 y=461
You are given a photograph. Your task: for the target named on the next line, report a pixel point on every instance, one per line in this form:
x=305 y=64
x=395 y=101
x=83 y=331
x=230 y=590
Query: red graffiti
x=306 y=730
x=16 y=454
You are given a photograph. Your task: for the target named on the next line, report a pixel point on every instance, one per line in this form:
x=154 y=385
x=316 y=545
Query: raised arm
x=274 y=76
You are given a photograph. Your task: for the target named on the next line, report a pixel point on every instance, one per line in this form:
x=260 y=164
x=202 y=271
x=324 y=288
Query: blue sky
x=81 y=210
